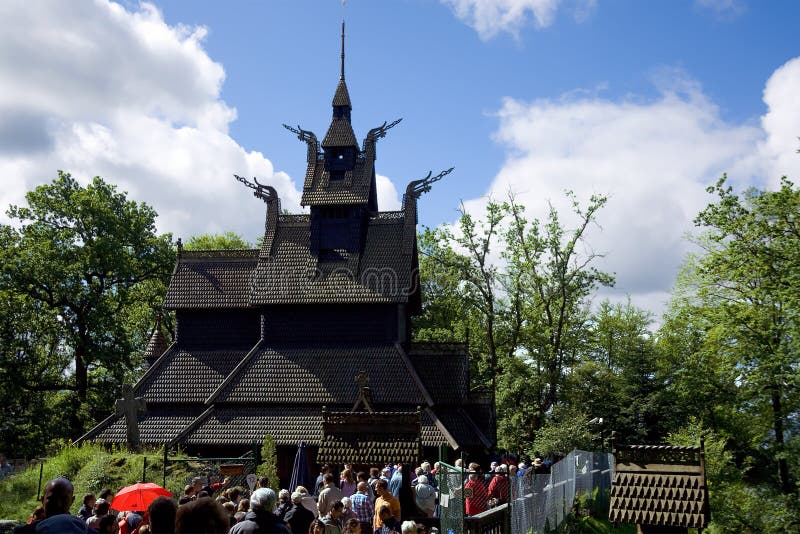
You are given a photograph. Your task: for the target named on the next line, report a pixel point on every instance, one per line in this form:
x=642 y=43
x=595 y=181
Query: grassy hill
x=91 y=468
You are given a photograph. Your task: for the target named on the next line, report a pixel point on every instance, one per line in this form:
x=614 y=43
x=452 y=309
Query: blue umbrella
x=300 y=474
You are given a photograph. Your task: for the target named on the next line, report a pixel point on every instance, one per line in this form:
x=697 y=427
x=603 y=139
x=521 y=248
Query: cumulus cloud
x=653 y=159
x=95 y=89
x=388 y=199
x=725 y=9
x=490 y=17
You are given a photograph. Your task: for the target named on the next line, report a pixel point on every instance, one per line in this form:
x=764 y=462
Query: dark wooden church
x=309 y=337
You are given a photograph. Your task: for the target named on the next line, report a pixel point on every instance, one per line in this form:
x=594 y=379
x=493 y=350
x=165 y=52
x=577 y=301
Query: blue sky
x=646 y=101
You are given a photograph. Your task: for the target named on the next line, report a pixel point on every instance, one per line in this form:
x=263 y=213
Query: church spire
x=341 y=75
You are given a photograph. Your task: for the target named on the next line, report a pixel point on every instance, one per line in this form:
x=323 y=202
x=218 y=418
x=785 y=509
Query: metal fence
x=541 y=502
x=537 y=502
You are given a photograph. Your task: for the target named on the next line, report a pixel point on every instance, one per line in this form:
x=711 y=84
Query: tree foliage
x=517 y=291
x=82 y=272
x=223 y=241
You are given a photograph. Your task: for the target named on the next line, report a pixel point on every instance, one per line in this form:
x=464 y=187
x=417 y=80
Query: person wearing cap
x=298 y=517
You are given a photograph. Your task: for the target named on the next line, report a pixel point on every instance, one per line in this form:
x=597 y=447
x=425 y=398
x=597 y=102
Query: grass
x=91 y=468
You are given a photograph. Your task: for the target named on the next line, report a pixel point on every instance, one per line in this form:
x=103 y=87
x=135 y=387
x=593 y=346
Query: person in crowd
x=374 y=475
x=59 y=494
x=263 y=482
x=426 y=470
x=362 y=476
x=185 y=499
x=388 y=523
x=162 y=513
x=361 y=504
x=425 y=496
x=396 y=482
x=386 y=473
x=332 y=518
x=231 y=509
x=201 y=516
x=36 y=515
x=385 y=498
x=498 y=486
x=298 y=517
x=144 y=529
x=130 y=523
x=308 y=501
x=5 y=467
x=477 y=502
x=316 y=527
x=235 y=495
x=347 y=483
x=260 y=518
x=86 y=509
x=108 y=525
x=107 y=495
x=348 y=512
x=329 y=495
x=243 y=506
x=351 y=526
x=188 y=490
x=320 y=482
x=284 y=504
x=101 y=509
x=408 y=527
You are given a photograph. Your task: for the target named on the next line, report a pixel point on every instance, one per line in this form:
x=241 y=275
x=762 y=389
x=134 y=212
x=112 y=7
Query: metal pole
x=164 y=482
x=144 y=468
x=41 y=472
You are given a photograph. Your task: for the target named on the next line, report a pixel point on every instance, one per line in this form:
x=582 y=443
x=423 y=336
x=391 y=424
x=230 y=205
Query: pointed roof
x=340 y=134
x=342 y=96
x=157 y=344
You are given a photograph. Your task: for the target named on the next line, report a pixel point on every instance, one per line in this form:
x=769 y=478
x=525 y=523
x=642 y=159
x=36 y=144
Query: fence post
x=164 y=481
x=144 y=468
x=39 y=489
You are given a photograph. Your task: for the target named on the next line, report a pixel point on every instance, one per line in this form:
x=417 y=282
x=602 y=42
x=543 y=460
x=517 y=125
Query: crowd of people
x=353 y=502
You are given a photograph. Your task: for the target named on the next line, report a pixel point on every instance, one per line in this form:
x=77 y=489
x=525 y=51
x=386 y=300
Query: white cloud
x=388 y=199
x=94 y=89
x=490 y=17
x=654 y=160
x=725 y=9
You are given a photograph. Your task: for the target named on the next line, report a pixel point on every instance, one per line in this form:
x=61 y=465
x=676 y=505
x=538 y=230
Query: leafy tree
x=735 y=321
x=224 y=241
x=77 y=262
x=269 y=460
x=517 y=291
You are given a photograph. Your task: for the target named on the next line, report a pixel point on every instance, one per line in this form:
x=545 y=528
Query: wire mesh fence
x=540 y=502
x=535 y=502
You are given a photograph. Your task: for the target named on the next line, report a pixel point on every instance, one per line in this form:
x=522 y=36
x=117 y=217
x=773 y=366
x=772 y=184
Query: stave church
x=308 y=338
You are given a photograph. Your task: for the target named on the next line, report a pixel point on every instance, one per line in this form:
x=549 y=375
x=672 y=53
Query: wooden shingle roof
x=659 y=485
x=354 y=188
x=211 y=279
x=295 y=276
x=321 y=374
x=185 y=375
x=372 y=438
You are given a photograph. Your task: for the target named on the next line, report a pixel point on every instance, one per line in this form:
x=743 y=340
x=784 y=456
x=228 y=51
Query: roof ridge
x=234 y=372
x=414 y=375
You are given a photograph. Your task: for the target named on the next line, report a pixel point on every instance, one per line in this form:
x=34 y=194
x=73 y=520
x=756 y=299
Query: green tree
x=517 y=291
x=224 y=241
x=741 y=296
x=76 y=260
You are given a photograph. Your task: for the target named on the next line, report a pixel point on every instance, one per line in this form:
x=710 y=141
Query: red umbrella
x=138 y=496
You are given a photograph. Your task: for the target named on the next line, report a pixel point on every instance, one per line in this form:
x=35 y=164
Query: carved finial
x=180 y=248
x=267 y=193
x=417 y=187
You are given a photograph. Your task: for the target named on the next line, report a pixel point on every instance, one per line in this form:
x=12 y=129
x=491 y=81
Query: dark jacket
x=299 y=518
x=260 y=523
